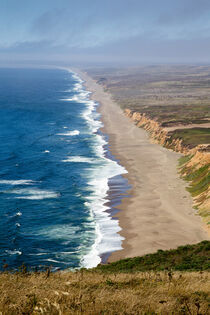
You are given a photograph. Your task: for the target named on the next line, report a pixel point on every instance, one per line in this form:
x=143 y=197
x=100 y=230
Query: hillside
x=131 y=286
x=189 y=257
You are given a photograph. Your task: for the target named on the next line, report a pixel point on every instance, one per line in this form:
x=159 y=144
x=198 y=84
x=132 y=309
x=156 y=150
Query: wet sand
x=159 y=213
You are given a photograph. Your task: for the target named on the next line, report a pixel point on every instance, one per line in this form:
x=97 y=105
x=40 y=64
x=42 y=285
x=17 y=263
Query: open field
x=174 y=96
x=192 y=137
x=157 y=85
x=118 y=288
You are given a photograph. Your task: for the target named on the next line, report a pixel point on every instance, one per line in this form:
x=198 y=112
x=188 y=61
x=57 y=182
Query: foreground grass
x=117 y=288
x=90 y=292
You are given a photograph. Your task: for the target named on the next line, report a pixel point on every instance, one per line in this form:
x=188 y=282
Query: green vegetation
x=199 y=179
x=189 y=257
x=172 y=115
x=184 y=159
x=198 y=174
x=192 y=137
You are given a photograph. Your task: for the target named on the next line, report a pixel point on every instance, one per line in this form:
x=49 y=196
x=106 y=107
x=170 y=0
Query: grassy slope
x=97 y=294
x=117 y=288
x=189 y=257
x=199 y=181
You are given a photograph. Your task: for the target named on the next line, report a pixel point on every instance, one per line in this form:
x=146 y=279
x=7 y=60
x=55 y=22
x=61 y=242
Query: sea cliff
x=194 y=166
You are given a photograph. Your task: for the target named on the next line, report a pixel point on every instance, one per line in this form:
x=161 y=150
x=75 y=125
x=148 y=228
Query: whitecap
x=69 y=133
x=46 y=151
x=39 y=254
x=17 y=182
x=79 y=159
x=52 y=260
x=33 y=194
x=13 y=252
x=17 y=224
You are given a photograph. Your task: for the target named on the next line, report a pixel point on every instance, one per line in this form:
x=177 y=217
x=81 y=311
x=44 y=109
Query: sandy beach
x=159 y=213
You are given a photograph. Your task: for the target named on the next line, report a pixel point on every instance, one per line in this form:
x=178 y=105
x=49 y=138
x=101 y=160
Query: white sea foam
x=76 y=77
x=13 y=252
x=77 y=87
x=69 y=133
x=79 y=159
x=33 y=194
x=17 y=214
x=107 y=237
x=59 y=232
x=39 y=254
x=80 y=98
x=52 y=260
x=17 y=182
x=17 y=224
x=46 y=151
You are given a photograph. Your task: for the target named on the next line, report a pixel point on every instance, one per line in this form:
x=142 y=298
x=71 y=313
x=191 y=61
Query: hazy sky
x=105 y=30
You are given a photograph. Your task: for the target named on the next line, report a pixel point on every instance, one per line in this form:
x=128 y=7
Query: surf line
x=102 y=180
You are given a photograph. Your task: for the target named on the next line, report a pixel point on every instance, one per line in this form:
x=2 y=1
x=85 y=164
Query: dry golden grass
x=89 y=292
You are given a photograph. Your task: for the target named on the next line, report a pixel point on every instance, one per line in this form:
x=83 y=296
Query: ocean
x=56 y=173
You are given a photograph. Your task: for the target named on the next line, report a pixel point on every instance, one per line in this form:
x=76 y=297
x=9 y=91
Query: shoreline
x=107 y=238
x=118 y=190
x=158 y=213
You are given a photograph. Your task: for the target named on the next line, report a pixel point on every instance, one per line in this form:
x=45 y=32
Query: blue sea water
x=54 y=172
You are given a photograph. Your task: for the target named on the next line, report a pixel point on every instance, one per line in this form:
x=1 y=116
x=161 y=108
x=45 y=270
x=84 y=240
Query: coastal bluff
x=197 y=159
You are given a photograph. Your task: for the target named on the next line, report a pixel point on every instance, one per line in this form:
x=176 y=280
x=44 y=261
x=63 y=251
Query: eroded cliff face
x=196 y=169
x=163 y=136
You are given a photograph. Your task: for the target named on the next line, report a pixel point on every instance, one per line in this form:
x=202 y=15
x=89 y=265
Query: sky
x=105 y=31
